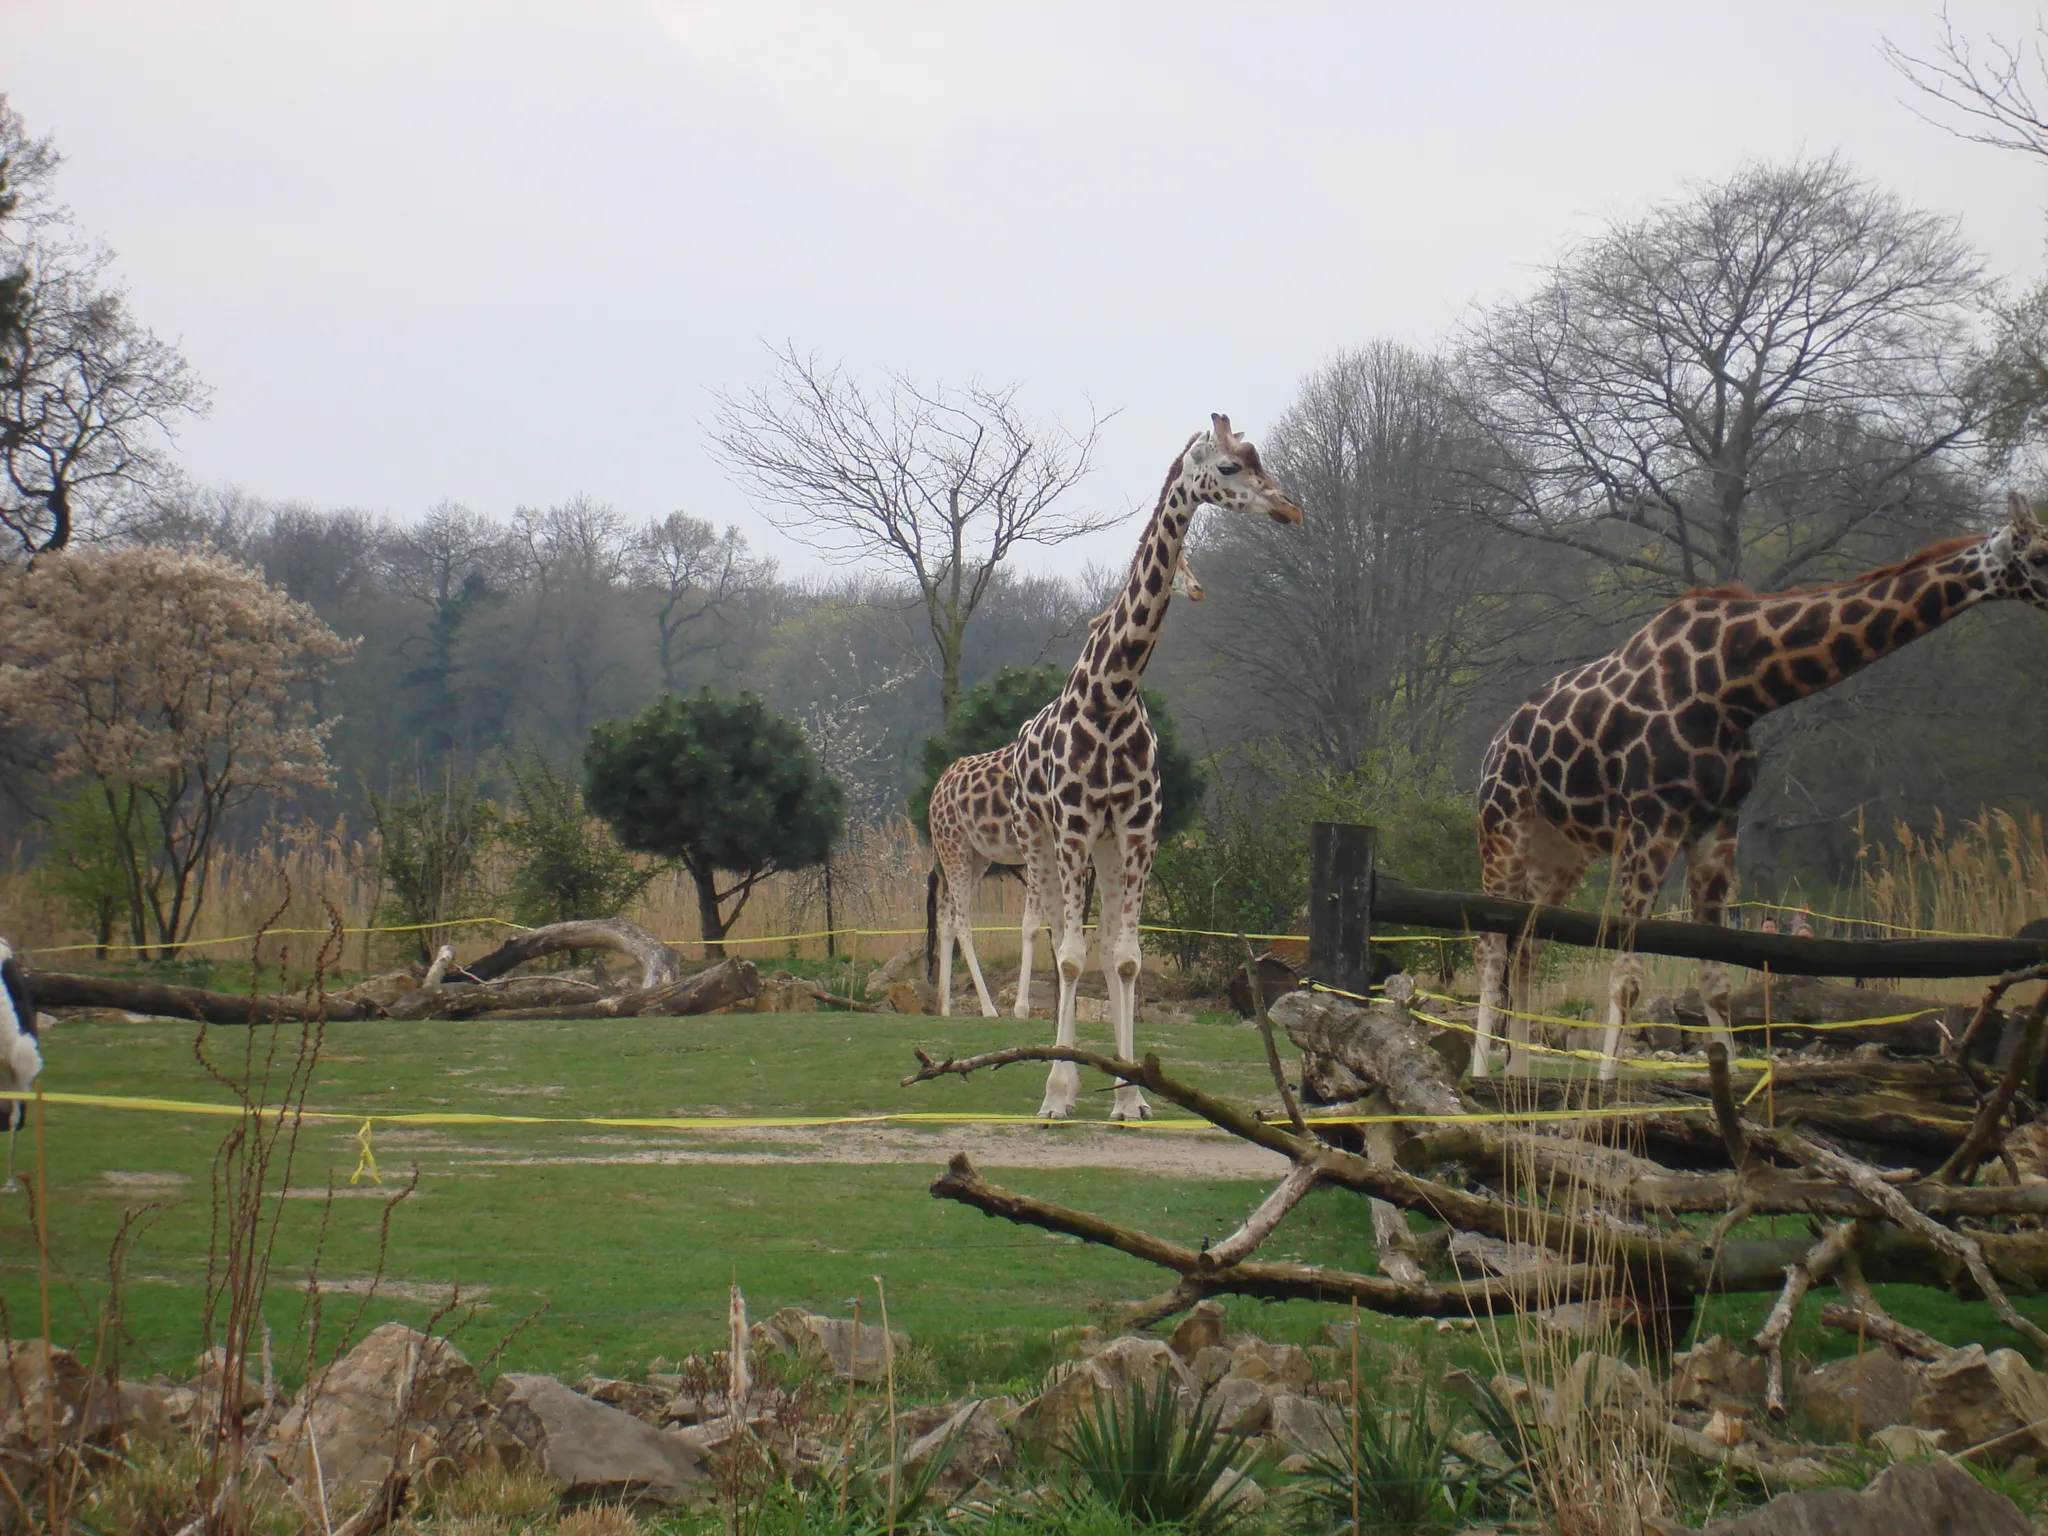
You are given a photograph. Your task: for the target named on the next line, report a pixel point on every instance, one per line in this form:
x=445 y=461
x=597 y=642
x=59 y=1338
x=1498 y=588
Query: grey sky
x=502 y=253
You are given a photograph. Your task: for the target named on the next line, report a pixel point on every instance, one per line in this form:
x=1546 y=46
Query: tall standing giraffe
x=1645 y=753
x=1087 y=764
x=973 y=823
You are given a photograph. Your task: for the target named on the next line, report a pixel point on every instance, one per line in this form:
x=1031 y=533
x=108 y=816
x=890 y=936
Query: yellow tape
x=1696 y=1029
x=366 y=1160
x=366 y=1165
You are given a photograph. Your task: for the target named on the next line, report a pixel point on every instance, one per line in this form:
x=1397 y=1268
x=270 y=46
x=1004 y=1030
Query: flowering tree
x=170 y=683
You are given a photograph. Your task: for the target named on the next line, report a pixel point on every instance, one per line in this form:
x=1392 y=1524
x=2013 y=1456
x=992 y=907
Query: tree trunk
x=730 y=981
x=55 y=989
x=658 y=964
x=708 y=916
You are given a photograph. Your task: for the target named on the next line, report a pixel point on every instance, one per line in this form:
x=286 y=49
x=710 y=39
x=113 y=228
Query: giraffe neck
x=1776 y=650
x=1105 y=680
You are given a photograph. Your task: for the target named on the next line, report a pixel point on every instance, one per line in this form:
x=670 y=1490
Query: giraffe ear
x=2024 y=522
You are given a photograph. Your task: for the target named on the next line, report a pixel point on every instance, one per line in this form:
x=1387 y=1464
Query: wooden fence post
x=1340 y=875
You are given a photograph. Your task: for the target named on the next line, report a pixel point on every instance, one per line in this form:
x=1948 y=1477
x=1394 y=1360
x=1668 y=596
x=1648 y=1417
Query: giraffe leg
x=946 y=950
x=1492 y=953
x=1063 y=1083
x=15 y=1114
x=1709 y=874
x=1553 y=872
x=1123 y=892
x=1034 y=919
x=1647 y=851
x=963 y=924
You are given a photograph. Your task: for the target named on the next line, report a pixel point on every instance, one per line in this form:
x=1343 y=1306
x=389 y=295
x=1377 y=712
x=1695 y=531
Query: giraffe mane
x=1933 y=554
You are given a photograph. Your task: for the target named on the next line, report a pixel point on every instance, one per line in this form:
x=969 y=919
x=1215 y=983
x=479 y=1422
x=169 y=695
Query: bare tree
x=1734 y=386
x=943 y=483
x=1987 y=97
x=88 y=395
x=1349 y=631
x=698 y=576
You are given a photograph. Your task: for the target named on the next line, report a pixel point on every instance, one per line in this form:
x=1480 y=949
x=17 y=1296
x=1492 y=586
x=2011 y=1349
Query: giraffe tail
x=931 y=926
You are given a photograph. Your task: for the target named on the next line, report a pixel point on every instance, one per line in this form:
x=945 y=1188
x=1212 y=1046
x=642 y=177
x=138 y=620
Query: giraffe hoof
x=1051 y=1111
x=11 y=1187
x=1136 y=1107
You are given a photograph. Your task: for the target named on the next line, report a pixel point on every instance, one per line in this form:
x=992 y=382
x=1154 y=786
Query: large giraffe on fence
x=1645 y=753
x=972 y=818
x=1087 y=764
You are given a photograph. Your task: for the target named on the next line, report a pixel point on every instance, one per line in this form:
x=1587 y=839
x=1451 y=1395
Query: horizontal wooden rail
x=1461 y=911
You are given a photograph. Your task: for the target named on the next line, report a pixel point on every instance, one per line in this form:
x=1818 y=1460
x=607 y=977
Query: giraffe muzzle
x=1284 y=512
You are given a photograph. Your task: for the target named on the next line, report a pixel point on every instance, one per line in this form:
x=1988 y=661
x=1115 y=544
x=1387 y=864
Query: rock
x=1844 y=1399
x=154 y=1413
x=1976 y=1399
x=980 y=1448
x=1278 y=1367
x=1210 y=1365
x=1241 y=1405
x=42 y=1390
x=1902 y=1442
x=1201 y=1329
x=1603 y=1386
x=1714 y=1372
x=784 y=993
x=643 y=1400
x=1913 y=1498
x=1234 y=1491
x=833 y=1339
x=901 y=966
x=1725 y=1428
x=397 y=1395
x=596 y=1454
x=1124 y=1368
x=208 y=1384
x=912 y=997
x=1305 y=1427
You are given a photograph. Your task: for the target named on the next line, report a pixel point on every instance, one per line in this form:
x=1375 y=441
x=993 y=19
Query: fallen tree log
x=1792 y=1003
x=58 y=989
x=1621 y=1234
x=732 y=980
x=659 y=965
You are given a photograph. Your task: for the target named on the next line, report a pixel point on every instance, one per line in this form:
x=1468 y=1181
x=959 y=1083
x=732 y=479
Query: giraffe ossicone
x=1087 y=769
x=1644 y=754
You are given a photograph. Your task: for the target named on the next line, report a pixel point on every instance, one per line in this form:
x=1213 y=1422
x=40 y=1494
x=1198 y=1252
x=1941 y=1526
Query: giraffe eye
x=1228 y=469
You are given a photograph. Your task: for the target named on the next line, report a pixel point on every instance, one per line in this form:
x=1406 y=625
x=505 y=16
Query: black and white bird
x=20 y=1060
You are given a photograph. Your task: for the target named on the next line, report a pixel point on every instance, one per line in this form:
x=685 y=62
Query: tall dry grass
x=878 y=887
x=1989 y=877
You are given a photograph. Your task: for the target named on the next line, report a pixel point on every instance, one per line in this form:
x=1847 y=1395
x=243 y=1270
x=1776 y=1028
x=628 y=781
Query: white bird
x=20 y=1060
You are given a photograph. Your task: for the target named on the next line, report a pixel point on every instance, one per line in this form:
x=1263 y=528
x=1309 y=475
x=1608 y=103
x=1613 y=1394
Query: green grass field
x=629 y=1237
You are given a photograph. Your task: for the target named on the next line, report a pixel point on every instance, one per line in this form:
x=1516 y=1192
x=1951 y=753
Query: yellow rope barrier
x=1695 y=1029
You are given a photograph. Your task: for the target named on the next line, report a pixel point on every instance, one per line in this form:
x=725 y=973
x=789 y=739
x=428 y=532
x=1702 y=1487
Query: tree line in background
x=1782 y=377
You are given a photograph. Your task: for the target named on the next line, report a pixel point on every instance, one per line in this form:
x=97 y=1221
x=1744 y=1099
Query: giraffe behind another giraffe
x=1645 y=753
x=972 y=822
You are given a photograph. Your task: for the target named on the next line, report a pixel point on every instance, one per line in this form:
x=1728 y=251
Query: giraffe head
x=1222 y=469
x=1186 y=583
x=2016 y=556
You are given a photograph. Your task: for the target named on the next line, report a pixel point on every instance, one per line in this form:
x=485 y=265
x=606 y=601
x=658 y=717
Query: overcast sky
x=504 y=253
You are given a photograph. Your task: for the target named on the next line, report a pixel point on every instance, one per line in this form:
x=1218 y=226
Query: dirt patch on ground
x=1172 y=1154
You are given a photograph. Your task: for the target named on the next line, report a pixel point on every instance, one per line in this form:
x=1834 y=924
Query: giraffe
x=1645 y=753
x=973 y=825
x=1086 y=766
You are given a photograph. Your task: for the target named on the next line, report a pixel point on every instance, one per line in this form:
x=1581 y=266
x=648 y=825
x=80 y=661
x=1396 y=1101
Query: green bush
x=84 y=869
x=1134 y=1455
x=1246 y=869
x=569 y=865
x=431 y=846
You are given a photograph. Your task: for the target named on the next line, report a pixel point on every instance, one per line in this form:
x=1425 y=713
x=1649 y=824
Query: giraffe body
x=1644 y=755
x=1087 y=764
x=973 y=823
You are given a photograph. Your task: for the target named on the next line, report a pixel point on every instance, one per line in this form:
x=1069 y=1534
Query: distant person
x=1770 y=925
x=1801 y=928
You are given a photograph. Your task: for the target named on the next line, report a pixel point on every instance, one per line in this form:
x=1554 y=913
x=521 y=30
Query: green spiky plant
x=1134 y=1455
x=1390 y=1471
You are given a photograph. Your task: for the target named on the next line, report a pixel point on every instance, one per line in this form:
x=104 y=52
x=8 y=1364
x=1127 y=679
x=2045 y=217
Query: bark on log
x=659 y=966
x=58 y=989
x=539 y=996
x=732 y=980
x=1799 y=1001
x=1379 y=1045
